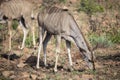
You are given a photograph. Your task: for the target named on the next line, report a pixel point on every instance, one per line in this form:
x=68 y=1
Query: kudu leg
x=33 y=36
x=68 y=44
x=58 y=42
x=10 y=35
x=46 y=40
x=41 y=32
x=25 y=32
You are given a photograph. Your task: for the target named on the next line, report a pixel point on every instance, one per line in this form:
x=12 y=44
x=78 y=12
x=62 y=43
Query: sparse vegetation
x=3 y=78
x=90 y=7
x=106 y=35
x=101 y=40
x=114 y=36
x=28 y=41
x=1 y=27
x=63 y=1
x=14 y=24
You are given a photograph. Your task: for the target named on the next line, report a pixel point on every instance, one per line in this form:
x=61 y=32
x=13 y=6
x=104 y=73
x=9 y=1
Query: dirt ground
x=21 y=65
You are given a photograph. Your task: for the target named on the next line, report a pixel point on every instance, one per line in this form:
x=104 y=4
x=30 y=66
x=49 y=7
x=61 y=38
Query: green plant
x=4 y=78
x=114 y=36
x=14 y=24
x=1 y=27
x=28 y=41
x=100 y=40
x=90 y=7
x=62 y=1
x=74 y=72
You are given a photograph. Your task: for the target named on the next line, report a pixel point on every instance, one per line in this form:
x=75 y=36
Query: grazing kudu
x=61 y=23
x=21 y=10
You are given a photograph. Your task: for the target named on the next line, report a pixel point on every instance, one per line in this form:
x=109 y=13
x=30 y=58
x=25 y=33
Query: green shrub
x=14 y=24
x=90 y=7
x=100 y=40
x=28 y=41
x=114 y=36
x=1 y=27
x=108 y=39
x=62 y=1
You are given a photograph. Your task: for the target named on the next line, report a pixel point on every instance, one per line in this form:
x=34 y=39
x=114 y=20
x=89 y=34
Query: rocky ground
x=21 y=64
x=16 y=66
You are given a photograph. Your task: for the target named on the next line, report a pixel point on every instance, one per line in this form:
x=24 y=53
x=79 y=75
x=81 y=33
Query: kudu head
x=91 y=60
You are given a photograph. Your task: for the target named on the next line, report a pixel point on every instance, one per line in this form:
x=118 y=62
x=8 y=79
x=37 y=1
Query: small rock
x=7 y=73
x=12 y=77
x=22 y=78
x=21 y=65
x=25 y=74
x=87 y=77
x=70 y=79
x=42 y=76
x=33 y=76
x=76 y=77
x=73 y=1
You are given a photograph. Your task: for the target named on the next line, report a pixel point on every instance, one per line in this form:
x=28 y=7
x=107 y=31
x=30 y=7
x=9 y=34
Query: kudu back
x=20 y=10
x=59 y=22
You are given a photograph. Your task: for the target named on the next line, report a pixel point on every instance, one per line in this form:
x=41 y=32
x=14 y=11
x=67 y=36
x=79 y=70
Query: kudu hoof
x=46 y=65
x=37 y=67
x=21 y=47
x=70 y=69
x=35 y=47
x=55 y=70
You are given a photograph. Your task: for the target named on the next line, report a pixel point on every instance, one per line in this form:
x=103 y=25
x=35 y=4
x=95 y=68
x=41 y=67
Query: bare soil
x=21 y=65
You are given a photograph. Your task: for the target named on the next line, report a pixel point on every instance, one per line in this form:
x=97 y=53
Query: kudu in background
x=61 y=23
x=21 y=10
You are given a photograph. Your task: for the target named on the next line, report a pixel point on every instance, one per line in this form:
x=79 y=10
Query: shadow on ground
x=32 y=60
x=115 y=57
x=10 y=57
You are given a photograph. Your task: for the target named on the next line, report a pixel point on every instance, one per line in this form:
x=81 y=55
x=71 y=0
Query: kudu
x=21 y=10
x=59 y=22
